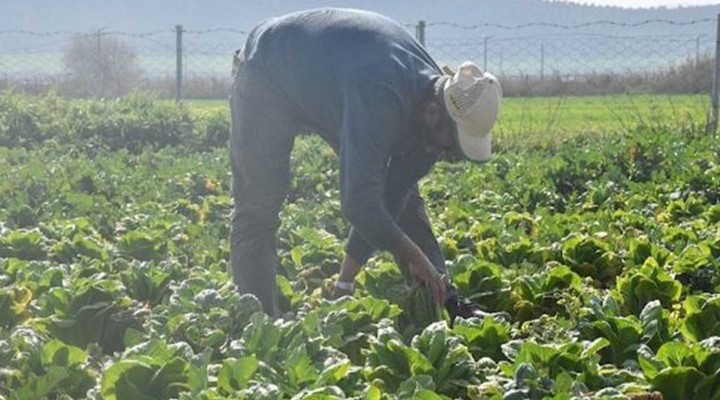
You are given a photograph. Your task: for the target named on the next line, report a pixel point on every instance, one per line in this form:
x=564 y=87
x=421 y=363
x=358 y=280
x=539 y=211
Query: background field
x=551 y=119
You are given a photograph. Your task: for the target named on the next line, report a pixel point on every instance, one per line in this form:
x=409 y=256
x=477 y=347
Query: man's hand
x=421 y=268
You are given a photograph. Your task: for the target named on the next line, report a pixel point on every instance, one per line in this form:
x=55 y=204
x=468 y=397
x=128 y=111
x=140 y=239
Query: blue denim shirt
x=356 y=77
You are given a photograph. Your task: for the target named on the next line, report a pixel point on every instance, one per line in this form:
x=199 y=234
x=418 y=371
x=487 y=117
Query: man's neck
x=438 y=89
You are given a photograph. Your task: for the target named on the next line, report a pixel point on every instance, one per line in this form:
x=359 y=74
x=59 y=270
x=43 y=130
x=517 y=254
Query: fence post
x=420 y=32
x=542 y=62
x=712 y=128
x=178 y=62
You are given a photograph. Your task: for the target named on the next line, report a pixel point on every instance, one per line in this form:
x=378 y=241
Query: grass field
x=555 y=118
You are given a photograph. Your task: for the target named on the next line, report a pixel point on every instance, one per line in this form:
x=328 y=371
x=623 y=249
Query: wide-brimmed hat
x=472 y=98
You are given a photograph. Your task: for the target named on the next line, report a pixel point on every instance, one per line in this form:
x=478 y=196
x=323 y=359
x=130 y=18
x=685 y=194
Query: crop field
x=596 y=228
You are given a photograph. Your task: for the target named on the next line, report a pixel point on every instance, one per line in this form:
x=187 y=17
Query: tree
x=100 y=65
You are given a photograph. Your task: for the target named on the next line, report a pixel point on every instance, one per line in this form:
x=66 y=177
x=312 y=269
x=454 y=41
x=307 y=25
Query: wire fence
x=532 y=59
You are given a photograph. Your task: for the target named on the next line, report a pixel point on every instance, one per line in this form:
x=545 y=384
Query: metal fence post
x=420 y=32
x=542 y=62
x=178 y=62
x=712 y=128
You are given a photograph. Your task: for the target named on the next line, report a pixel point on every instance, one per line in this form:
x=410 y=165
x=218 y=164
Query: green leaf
x=563 y=383
x=58 y=353
x=648 y=362
x=133 y=337
x=655 y=324
x=14 y=306
x=709 y=388
x=373 y=393
x=709 y=362
x=248 y=306
x=261 y=337
x=676 y=354
x=484 y=339
x=23 y=244
x=296 y=255
x=198 y=376
x=694 y=304
x=142 y=245
x=652 y=311
x=590 y=256
x=323 y=393
x=562 y=277
x=535 y=354
x=127 y=380
x=38 y=387
x=170 y=379
x=143 y=379
x=703 y=318
x=649 y=283
x=299 y=366
x=334 y=373
x=594 y=347
x=235 y=374
x=416 y=385
x=419 y=364
x=677 y=383
x=424 y=394
x=159 y=351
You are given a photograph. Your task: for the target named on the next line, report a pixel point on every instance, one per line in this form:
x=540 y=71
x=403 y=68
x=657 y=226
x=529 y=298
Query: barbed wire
x=407 y=25
x=573 y=26
x=464 y=41
x=216 y=30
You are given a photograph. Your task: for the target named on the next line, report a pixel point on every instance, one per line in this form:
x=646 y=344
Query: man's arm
x=372 y=117
x=402 y=175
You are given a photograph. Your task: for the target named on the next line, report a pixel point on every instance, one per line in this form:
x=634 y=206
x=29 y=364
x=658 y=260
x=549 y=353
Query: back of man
x=311 y=56
x=356 y=78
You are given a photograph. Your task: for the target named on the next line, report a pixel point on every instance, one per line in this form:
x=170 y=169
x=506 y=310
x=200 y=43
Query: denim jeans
x=263 y=128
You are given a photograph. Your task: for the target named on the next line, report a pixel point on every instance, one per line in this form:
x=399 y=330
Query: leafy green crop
x=114 y=278
x=589 y=256
x=702 y=319
x=484 y=338
x=14 y=302
x=483 y=283
x=682 y=371
x=23 y=244
x=637 y=288
x=152 y=370
x=542 y=293
x=89 y=313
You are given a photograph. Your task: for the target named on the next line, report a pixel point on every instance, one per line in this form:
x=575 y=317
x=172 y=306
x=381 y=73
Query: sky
x=648 y=3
